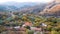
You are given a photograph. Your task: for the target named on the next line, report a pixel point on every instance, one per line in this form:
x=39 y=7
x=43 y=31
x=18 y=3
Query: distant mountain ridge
x=26 y=7
x=12 y=6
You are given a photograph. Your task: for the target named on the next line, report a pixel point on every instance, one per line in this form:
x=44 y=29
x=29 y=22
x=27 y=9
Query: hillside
x=52 y=10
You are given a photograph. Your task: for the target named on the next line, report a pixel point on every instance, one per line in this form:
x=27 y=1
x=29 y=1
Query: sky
x=2 y=1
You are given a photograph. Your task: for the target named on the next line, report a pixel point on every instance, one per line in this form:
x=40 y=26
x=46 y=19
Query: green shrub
x=30 y=32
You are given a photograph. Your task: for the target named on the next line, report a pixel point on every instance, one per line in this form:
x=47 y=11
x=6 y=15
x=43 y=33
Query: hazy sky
x=1 y=1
